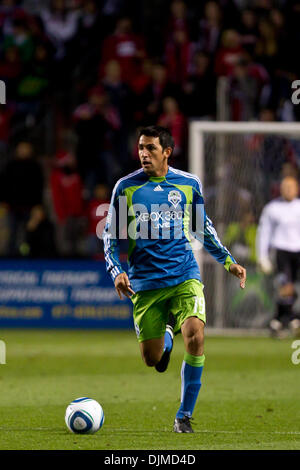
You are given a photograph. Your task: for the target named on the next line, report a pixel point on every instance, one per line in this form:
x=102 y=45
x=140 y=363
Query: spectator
x=34 y=82
x=10 y=70
x=154 y=25
x=90 y=34
x=117 y=90
x=179 y=53
x=111 y=10
x=37 y=31
x=285 y=57
x=266 y=49
x=89 y=27
x=126 y=47
x=120 y=98
x=240 y=238
x=243 y=91
x=20 y=37
x=248 y=30
x=229 y=53
x=97 y=124
x=200 y=88
x=40 y=235
x=9 y=10
x=260 y=74
x=4 y=229
x=100 y=196
x=22 y=188
x=155 y=92
x=6 y=113
x=140 y=82
x=272 y=152
x=174 y=119
x=61 y=26
x=67 y=197
x=141 y=87
x=178 y=20
x=210 y=28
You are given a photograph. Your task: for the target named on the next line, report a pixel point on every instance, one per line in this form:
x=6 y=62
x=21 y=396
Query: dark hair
x=164 y=135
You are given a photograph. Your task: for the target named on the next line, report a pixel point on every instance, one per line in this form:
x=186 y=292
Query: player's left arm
x=214 y=246
x=240 y=272
x=207 y=235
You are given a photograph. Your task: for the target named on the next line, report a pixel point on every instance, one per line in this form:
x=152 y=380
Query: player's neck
x=160 y=173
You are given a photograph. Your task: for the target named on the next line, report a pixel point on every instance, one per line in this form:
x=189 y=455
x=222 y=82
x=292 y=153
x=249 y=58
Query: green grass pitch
x=249 y=397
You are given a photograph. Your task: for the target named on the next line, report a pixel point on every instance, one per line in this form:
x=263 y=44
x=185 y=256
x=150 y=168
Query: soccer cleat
x=162 y=365
x=182 y=425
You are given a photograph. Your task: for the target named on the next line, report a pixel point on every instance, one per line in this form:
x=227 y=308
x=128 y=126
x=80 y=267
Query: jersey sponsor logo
x=159 y=221
x=160 y=216
x=174 y=197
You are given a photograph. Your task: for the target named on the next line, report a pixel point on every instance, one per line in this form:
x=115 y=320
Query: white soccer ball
x=84 y=416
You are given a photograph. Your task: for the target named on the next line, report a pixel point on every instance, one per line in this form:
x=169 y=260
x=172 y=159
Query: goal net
x=240 y=166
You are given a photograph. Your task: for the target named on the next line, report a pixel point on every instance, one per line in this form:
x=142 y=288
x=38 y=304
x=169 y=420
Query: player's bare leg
x=152 y=350
x=192 y=366
x=156 y=352
x=193 y=336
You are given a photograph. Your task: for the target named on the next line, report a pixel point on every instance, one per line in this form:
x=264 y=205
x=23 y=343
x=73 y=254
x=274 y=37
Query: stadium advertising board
x=60 y=294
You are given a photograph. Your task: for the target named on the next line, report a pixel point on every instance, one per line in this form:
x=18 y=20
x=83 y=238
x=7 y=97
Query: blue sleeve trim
x=110 y=237
x=213 y=244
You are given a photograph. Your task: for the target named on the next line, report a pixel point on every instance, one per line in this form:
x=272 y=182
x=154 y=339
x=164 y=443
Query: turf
x=249 y=398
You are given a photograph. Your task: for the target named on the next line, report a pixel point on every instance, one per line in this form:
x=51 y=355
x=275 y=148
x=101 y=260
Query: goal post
x=197 y=129
x=239 y=165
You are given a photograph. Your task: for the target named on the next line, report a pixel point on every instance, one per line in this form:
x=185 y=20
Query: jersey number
x=199 y=305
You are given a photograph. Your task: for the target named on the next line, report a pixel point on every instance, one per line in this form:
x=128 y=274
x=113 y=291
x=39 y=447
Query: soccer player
x=163 y=280
x=279 y=230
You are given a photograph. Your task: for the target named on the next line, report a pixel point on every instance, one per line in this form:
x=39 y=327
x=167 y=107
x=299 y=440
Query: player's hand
x=240 y=272
x=122 y=285
x=265 y=266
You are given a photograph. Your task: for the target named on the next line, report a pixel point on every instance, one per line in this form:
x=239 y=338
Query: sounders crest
x=174 y=197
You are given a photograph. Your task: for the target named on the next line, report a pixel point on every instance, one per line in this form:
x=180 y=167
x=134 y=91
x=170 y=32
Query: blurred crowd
x=83 y=75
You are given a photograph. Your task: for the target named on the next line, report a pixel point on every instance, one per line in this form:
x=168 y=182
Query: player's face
x=289 y=188
x=153 y=158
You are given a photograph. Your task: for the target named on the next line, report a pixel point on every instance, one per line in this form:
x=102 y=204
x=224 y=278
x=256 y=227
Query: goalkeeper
x=279 y=232
x=160 y=206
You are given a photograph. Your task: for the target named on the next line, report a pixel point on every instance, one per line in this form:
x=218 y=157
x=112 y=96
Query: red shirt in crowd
x=226 y=59
x=66 y=188
x=93 y=219
x=128 y=49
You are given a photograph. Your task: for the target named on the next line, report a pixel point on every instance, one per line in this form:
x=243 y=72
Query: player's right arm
x=110 y=236
x=111 y=243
